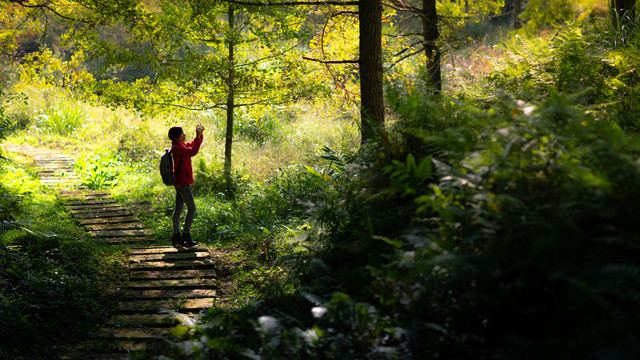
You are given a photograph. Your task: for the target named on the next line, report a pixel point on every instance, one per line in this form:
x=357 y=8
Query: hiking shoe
x=187 y=241
x=176 y=240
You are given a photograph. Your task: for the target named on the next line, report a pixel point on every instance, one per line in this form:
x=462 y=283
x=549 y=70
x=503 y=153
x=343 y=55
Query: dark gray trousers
x=183 y=196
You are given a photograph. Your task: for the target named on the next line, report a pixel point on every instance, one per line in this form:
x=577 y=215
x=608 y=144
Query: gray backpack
x=166 y=167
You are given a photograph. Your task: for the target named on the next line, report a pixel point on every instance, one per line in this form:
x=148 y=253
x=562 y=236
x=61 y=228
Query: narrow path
x=165 y=284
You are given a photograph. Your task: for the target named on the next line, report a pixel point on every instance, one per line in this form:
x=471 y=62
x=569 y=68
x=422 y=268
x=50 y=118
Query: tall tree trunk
x=372 y=101
x=517 y=9
x=231 y=72
x=431 y=48
x=623 y=12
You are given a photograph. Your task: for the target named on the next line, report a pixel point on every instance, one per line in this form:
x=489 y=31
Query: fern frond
x=11 y=236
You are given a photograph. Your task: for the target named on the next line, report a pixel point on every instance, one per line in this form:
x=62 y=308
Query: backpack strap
x=180 y=163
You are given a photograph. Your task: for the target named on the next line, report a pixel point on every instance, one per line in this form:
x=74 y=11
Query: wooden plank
x=156 y=320
x=103 y=214
x=105 y=205
x=163 y=249
x=98 y=210
x=93 y=355
x=169 y=256
x=110 y=220
x=131 y=333
x=165 y=294
x=114 y=226
x=136 y=240
x=114 y=346
x=84 y=194
x=90 y=201
x=170 y=304
x=193 y=264
x=171 y=274
x=120 y=233
x=205 y=283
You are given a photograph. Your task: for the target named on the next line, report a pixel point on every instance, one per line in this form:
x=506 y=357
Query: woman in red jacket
x=182 y=154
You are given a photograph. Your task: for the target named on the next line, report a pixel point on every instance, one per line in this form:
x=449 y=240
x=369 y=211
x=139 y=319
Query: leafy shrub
x=62 y=120
x=511 y=250
x=98 y=172
x=258 y=127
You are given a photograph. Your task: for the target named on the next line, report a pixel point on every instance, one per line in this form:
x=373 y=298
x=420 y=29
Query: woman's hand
x=199 y=130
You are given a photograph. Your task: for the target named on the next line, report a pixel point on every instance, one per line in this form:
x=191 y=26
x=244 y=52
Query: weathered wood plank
x=90 y=201
x=114 y=226
x=163 y=249
x=193 y=264
x=83 y=194
x=105 y=205
x=169 y=256
x=131 y=333
x=120 y=233
x=156 y=320
x=109 y=220
x=205 y=283
x=136 y=240
x=93 y=355
x=115 y=346
x=167 y=304
x=103 y=214
x=98 y=210
x=171 y=274
x=165 y=294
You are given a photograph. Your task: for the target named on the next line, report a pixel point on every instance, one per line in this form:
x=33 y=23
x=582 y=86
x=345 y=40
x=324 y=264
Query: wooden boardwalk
x=166 y=285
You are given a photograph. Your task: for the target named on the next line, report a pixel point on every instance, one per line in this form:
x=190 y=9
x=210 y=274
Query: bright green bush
x=98 y=172
x=62 y=120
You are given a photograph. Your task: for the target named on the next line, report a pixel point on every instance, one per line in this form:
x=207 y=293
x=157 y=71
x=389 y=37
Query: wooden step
x=88 y=207
x=207 y=283
x=114 y=226
x=169 y=256
x=193 y=264
x=156 y=320
x=171 y=274
x=110 y=220
x=190 y=305
x=164 y=250
x=131 y=333
x=134 y=240
x=166 y=294
x=120 y=233
x=93 y=214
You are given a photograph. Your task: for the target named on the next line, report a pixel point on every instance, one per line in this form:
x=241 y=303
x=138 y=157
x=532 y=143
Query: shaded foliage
x=498 y=228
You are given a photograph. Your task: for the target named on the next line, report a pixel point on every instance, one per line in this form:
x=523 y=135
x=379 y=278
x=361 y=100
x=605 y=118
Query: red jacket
x=183 y=152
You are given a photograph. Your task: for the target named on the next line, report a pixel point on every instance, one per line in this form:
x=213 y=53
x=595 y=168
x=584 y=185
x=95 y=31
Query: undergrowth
x=488 y=225
x=54 y=283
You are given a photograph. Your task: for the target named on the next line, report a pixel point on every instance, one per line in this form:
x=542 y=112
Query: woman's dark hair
x=175 y=132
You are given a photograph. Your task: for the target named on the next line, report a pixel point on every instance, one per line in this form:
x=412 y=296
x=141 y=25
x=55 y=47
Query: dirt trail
x=166 y=285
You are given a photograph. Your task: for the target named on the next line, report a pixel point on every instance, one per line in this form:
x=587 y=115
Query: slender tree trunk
x=372 y=101
x=623 y=12
x=517 y=9
x=231 y=72
x=431 y=48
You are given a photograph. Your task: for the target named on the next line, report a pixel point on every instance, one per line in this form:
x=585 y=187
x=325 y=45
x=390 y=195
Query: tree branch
x=294 y=3
x=408 y=56
x=332 y=61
